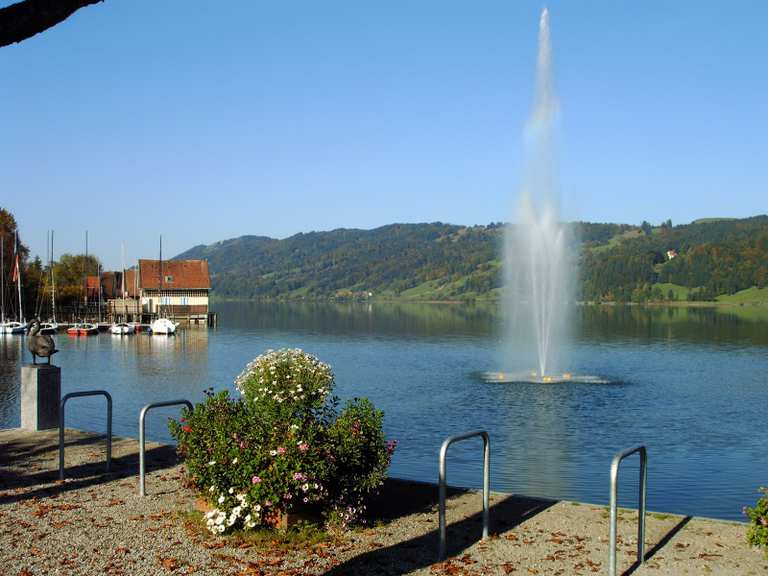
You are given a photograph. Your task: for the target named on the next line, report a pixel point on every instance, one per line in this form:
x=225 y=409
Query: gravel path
x=95 y=523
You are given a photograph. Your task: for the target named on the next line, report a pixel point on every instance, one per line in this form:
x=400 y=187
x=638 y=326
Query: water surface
x=690 y=384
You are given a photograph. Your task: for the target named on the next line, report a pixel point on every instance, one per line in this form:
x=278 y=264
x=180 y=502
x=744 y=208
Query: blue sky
x=208 y=120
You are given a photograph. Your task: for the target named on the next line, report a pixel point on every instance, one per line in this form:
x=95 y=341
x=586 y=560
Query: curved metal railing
x=61 y=425
x=443 y=485
x=142 y=414
x=614 y=496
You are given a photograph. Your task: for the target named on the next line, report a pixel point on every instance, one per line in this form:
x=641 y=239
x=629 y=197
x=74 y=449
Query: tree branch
x=29 y=17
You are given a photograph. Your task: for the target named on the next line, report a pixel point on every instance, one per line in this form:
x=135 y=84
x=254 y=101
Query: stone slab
x=40 y=396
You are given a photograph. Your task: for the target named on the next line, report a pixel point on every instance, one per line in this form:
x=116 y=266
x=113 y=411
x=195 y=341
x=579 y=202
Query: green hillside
x=715 y=258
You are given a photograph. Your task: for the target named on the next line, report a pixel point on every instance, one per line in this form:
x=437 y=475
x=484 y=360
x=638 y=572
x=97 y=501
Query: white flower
x=273 y=452
x=220 y=529
x=305 y=487
x=212 y=463
x=236 y=511
x=240 y=497
x=234 y=461
x=220 y=500
x=247 y=518
x=231 y=490
x=212 y=488
x=257 y=507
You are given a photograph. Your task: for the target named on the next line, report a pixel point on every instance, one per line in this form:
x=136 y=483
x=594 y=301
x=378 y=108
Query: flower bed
x=283 y=446
x=757 y=535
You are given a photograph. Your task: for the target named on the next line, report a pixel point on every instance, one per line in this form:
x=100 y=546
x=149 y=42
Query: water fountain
x=539 y=267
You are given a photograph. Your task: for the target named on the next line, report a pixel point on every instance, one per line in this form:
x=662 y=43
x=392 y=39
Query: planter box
x=277 y=520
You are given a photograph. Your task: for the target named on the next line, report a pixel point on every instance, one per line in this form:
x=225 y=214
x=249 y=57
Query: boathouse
x=178 y=289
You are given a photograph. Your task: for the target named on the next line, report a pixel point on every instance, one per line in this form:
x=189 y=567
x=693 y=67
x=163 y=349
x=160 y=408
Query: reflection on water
x=396 y=319
x=689 y=383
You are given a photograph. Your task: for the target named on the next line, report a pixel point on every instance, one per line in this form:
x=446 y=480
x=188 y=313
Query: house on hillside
x=177 y=288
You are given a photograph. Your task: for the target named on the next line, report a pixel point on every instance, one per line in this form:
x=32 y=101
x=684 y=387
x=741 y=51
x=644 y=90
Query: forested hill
x=439 y=261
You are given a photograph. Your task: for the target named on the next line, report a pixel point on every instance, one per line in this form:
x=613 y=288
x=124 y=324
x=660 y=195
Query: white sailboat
x=51 y=327
x=122 y=328
x=2 y=284
x=161 y=325
x=15 y=327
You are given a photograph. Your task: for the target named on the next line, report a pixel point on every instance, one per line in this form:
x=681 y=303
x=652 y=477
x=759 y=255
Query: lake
x=689 y=383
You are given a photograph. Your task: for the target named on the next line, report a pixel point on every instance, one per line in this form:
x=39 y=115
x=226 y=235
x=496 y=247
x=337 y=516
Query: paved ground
x=94 y=523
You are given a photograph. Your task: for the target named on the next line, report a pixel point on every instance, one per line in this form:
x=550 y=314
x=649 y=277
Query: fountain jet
x=538 y=267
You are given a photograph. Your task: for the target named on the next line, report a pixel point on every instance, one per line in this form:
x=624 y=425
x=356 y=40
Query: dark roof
x=177 y=274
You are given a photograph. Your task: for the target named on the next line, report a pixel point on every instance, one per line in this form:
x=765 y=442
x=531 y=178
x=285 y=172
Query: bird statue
x=39 y=344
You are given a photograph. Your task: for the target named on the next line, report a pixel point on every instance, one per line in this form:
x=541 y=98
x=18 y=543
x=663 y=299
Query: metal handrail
x=443 y=489
x=614 y=492
x=142 y=414
x=61 y=425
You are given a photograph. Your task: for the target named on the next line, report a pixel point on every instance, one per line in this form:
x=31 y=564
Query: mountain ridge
x=439 y=261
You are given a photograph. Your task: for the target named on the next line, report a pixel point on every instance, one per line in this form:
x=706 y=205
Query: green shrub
x=757 y=535
x=360 y=456
x=282 y=446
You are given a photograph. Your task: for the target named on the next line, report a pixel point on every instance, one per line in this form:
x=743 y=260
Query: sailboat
x=162 y=326
x=84 y=328
x=51 y=327
x=122 y=328
x=14 y=327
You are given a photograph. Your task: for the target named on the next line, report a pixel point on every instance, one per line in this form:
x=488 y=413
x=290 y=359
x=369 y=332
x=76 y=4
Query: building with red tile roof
x=176 y=288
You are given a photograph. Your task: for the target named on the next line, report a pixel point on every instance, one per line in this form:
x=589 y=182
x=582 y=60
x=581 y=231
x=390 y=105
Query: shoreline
x=95 y=523
x=497 y=301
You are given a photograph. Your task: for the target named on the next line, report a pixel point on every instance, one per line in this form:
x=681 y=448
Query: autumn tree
x=70 y=272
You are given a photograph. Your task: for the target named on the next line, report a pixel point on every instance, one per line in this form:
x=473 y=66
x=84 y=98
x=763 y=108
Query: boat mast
x=98 y=279
x=122 y=277
x=160 y=297
x=2 y=278
x=18 y=276
x=85 y=274
x=53 y=284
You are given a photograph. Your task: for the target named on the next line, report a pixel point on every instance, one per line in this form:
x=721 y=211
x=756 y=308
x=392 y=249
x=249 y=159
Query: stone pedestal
x=40 y=396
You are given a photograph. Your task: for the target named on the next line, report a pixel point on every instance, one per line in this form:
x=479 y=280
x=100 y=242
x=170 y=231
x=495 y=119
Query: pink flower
x=242 y=445
x=255 y=480
x=280 y=450
x=186 y=429
x=303 y=447
x=182 y=419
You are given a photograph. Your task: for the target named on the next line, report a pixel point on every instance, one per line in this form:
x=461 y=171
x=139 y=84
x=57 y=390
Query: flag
x=15 y=273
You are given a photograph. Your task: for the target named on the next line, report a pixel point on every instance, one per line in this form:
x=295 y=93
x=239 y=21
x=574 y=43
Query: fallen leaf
x=169 y=563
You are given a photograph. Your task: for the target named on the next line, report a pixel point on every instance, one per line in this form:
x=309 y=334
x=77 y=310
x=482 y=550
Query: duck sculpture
x=39 y=344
